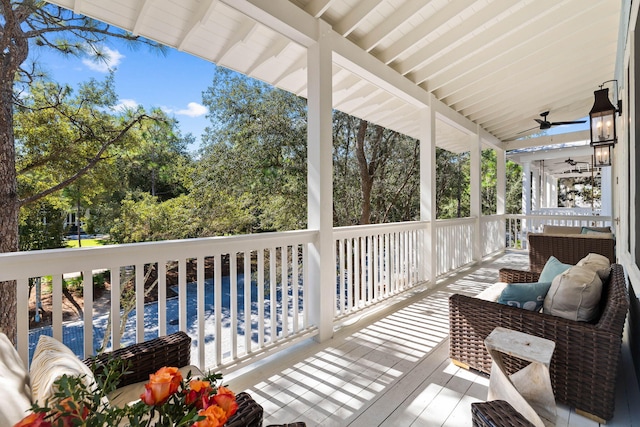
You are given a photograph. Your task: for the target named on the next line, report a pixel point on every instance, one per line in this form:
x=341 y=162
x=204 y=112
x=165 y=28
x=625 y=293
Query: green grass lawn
x=85 y=243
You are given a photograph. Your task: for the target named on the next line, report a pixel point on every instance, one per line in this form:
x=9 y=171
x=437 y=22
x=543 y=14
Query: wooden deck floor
x=392 y=369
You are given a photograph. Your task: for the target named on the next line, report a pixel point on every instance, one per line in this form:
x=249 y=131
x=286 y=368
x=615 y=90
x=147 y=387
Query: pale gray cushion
x=15 y=392
x=575 y=295
x=598 y=263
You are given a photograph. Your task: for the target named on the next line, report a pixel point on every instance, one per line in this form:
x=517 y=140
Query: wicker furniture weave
x=147 y=357
x=249 y=413
x=568 y=248
x=496 y=413
x=585 y=362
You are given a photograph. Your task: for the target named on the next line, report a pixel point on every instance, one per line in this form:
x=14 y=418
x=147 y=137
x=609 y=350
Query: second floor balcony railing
x=243 y=297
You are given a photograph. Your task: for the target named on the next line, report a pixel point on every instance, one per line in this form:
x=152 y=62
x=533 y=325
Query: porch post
x=475 y=181
x=428 y=192
x=552 y=183
x=535 y=189
x=501 y=191
x=501 y=182
x=322 y=280
x=605 y=192
x=526 y=199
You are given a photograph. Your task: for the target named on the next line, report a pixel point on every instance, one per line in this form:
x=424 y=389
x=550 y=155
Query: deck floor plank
x=392 y=369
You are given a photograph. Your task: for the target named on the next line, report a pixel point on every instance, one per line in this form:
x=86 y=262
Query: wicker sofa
x=585 y=362
x=147 y=357
x=569 y=245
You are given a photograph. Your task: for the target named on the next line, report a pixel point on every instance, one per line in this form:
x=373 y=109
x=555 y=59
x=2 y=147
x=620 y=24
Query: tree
x=23 y=24
x=452 y=184
x=252 y=171
x=376 y=173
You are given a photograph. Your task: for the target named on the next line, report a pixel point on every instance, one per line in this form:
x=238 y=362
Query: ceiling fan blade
x=528 y=130
x=575 y=122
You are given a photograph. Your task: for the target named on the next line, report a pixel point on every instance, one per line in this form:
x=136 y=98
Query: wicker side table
x=496 y=413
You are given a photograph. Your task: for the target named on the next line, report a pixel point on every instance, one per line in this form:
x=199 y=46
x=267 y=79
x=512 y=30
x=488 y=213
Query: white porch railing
x=455 y=242
x=236 y=318
x=518 y=226
x=228 y=317
x=375 y=262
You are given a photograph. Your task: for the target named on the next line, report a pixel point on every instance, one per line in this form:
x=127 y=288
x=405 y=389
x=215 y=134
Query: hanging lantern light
x=602 y=120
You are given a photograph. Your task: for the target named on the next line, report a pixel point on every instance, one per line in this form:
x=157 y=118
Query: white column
x=606 y=193
x=428 y=191
x=501 y=190
x=475 y=181
x=501 y=184
x=535 y=189
x=553 y=192
x=322 y=280
x=526 y=188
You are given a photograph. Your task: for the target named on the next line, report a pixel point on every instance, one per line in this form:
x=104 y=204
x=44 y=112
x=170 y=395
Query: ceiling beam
x=317 y=8
x=240 y=36
x=355 y=16
x=141 y=15
x=199 y=18
x=419 y=33
x=281 y=16
x=390 y=24
x=542 y=141
x=457 y=38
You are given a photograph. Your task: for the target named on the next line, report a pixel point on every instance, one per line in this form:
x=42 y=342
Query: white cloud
x=110 y=60
x=193 y=110
x=125 y=104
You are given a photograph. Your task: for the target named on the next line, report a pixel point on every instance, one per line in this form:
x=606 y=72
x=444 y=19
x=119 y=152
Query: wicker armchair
x=585 y=362
x=147 y=357
x=567 y=248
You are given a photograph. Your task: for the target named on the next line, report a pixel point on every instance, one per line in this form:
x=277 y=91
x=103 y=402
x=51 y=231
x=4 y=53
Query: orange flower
x=226 y=399
x=214 y=415
x=161 y=386
x=198 y=393
x=34 y=420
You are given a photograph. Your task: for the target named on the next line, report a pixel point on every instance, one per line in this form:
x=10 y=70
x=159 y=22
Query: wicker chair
x=496 y=413
x=147 y=357
x=568 y=249
x=585 y=362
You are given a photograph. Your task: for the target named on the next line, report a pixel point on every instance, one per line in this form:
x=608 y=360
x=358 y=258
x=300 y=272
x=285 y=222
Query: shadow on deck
x=392 y=368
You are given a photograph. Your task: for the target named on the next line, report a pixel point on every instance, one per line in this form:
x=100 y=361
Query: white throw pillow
x=575 y=295
x=598 y=263
x=15 y=393
x=51 y=360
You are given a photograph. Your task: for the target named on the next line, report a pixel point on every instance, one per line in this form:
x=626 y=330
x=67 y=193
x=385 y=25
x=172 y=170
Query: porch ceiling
x=497 y=63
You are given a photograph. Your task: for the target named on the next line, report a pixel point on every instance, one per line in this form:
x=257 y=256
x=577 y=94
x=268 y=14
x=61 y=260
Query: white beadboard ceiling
x=492 y=65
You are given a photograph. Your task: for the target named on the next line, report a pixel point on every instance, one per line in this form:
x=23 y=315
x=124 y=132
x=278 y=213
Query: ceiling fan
x=572 y=162
x=545 y=124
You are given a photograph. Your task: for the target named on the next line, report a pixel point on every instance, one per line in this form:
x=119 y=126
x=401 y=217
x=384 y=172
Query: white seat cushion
x=15 y=392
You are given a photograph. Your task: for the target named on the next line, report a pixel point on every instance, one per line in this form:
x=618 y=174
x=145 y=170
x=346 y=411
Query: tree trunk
x=365 y=178
x=9 y=204
x=13 y=52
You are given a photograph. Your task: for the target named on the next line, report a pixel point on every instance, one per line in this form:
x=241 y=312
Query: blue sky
x=173 y=82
